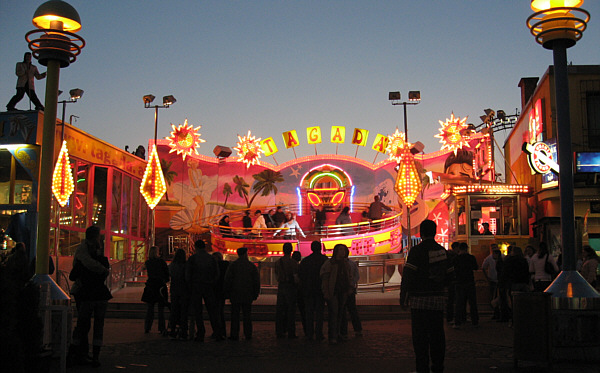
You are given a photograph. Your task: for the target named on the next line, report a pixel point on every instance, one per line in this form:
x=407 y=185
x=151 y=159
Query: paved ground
x=384 y=347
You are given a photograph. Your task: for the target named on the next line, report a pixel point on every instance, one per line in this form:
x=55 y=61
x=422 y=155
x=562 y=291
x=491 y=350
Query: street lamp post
x=414 y=97
x=167 y=102
x=555 y=25
x=55 y=46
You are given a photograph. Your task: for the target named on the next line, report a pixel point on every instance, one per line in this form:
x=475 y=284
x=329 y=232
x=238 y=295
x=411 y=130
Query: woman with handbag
x=155 y=291
x=538 y=268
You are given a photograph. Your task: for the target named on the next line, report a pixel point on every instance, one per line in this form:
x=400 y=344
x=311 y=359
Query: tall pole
x=565 y=155
x=409 y=246
x=153 y=216
x=46 y=167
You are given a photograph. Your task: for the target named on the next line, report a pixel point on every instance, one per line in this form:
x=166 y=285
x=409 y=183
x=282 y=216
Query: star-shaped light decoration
x=153 y=185
x=453 y=134
x=185 y=139
x=396 y=145
x=408 y=182
x=249 y=149
x=62 y=179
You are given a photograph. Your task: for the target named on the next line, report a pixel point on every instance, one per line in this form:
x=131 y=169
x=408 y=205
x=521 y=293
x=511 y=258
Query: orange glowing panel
x=453 y=134
x=62 y=179
x=153 y=185
x=314 y=199
x=396 y=145
x=184 y=139
x=408 y=182
x=249 y=149
x=337 y=198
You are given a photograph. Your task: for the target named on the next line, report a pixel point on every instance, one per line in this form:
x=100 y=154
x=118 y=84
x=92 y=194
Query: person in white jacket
x=292 y=228
x=26 y=71
x=259 y=223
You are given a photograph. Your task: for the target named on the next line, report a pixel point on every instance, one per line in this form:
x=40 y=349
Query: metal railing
x=380 y=273
x=125 y=269
x=326 y=231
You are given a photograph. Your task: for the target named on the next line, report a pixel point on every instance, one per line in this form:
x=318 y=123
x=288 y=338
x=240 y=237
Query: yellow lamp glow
x=537 y=5
x=62 y=179
x=54 y=13
x=185 y=139
x=249 y=149
x=153 y=185
x=408 y=182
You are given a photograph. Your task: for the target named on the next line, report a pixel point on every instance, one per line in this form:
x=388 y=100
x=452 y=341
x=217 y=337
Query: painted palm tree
x=226 y=192
x=265 y=184
x=241 y=187
x=168 y=174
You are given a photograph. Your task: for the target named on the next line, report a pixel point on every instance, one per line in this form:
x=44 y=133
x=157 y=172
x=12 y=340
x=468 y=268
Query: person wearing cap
x=242 y=287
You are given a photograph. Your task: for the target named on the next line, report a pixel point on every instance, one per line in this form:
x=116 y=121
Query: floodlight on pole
x=405 y=183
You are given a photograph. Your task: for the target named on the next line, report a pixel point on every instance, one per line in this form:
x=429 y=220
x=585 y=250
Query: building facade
x=531 y=154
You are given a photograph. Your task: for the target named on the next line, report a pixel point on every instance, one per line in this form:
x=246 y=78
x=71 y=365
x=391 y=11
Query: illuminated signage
x=290 y=139
x=185 y=139
x=249 y=149
x=536 y=124
x=313 y=135
x=540 y=157
x=587 y=162
x=268 y=146
x=360 y=137
x=338 y=134
x=454 y=134
x=380 y=144
x=62 y=179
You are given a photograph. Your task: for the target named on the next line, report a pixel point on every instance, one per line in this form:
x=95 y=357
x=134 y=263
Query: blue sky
x=274 y=66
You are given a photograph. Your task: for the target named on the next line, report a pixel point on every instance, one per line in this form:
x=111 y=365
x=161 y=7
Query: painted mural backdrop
x=200 y=187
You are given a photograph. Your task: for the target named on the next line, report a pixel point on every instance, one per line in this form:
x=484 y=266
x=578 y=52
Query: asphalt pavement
x=385 y=346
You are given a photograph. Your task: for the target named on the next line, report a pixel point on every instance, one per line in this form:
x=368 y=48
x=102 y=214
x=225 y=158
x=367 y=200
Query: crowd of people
x=204 y=280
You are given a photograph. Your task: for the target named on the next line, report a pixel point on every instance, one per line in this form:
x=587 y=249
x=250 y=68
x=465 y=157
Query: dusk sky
x=274 y=66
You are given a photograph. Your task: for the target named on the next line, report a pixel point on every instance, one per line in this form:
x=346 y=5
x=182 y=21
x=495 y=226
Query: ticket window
x=494 y=215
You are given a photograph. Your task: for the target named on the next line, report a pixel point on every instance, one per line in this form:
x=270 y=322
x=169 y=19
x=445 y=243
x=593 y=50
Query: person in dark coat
x=278 y=217
x=426 y=274
x=93 y=301
x=286 y=270
x=464 y=265
x=297 y=256
x=310 y=287
x=202 y=273
x=155 y=291
x=180 y=297
x=242 y=286
x=220 y=293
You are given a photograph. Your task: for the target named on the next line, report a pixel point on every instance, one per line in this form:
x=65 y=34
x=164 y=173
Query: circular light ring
x=60 y=42
x=549 y=25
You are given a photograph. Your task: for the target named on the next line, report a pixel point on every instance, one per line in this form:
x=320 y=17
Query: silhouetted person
x=464 y=265
x=155 y=291
x=336 y=284
x=220 y=293
x=297 y=256
x=351 y=304
x=426 y=274
x=26 y=71
x=180 y=296
x=93 y=301
x=310 y=287
x=286 y=270
x=202 y=273
x=242 y=286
